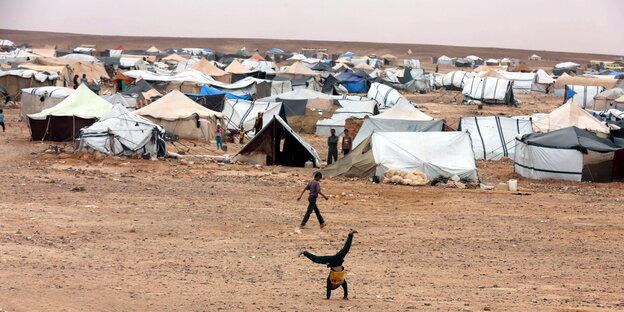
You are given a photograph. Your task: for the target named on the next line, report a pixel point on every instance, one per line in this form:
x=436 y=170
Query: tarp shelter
x=568 y=115
x=371 y=125
x=583 y=96
x=404 y=109
x=34 y=100
x=569 y=154
x=493 y=136
x=436 y=154
x=386 y=96
x=354 y=83
x=209 y=69
x=566 y=79
x=488 y=90
x=349 y=109
x=243 y=114
x=120 y=132
x=63 y=121
x=277 y=144
x=605 y=99
x=181 y=116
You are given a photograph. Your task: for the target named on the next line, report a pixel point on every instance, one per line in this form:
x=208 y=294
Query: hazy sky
x=556 y=25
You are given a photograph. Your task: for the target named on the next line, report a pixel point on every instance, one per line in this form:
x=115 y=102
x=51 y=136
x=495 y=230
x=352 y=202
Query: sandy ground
x=111 y=234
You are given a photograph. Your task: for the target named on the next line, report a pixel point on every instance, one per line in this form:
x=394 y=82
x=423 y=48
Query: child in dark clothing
x=314 y=187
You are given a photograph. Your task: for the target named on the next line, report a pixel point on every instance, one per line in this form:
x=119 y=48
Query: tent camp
x=403 y=109
x=568 y=115
x=493 y=136
x=582 y=96
x=350 y=109
x=63 y=121
x=569 y=154
x=488 y=90
x=371 y=125
x=386 y=96
x=243 y=114
x=436 y=154
x=181 y=116
x=277 y=144
x=605 y=99
x=120 y=132
x=209 y=69
x=34 y=100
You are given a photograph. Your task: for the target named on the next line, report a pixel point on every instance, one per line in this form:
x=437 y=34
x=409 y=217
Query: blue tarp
x=354 y=83
x=275 y=50
x=349 y=54
x=610 y=72
x=207 y=50
x=206 y=90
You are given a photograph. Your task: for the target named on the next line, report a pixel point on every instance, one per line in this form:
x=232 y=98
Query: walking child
x=314 y=186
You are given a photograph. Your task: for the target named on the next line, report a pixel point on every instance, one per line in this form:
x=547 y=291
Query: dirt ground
x=116 y=234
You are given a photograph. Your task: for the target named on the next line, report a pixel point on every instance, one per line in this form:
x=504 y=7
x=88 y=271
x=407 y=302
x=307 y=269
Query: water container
x=309 y=164
x=513 y=185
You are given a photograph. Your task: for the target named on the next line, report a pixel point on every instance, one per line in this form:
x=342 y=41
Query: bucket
x=513 y=185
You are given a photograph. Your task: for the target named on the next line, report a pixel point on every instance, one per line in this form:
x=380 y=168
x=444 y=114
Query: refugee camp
x=311 y=156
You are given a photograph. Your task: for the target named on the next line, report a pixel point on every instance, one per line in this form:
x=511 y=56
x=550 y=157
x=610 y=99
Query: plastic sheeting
x=494 y=137
x=488 y=90
x=239 y=113
x=536 y=162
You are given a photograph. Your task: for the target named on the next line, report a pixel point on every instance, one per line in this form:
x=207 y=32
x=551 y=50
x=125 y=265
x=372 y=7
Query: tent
x=535 y=57
x=256 y=56
x=569 y=154
x=120 y=132
x=605 y=99
x=354 y=83
x=275 y=50
x=206 y=90
x=237 y=68
x=119 y=99
x=181 y=116
x=297 y=101
x=436 y=154
x=35 y=100
x=403 y=109
x=568 y=115
x=455 y=80
x=488 y=90
x=141 y=90
x=63 y=121
x=566 y=79
x=278 y=144
x=522 y=81
x=297 y=70
x=349 y=109
x=619 y=103
x=522 y=68
x=243 y=114
x=153 y=49
x=493 y=136
x=542 y=81
x=209 y=69
x=444 y=60
x=371 y=125
x=582 y=96
x=385 y=95
x=173 y=59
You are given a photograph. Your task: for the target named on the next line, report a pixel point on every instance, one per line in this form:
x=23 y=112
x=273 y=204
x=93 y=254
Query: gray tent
x=371 y=125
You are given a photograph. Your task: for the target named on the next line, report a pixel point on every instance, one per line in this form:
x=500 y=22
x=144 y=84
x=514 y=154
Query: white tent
x=181 y=116
x=241 y=113
x=522 y=82
x=372 y=125
x=542 y=79
x=119 y=132
x=489 y=90
x=385 y=95
x=568 y=115
x=35 y=100
x=605 y=99
x=118 y=98
x=445 y=60
x=584 y=96
x=494 y=137
x=455 y=79
x=349 y=109
x=81 y=57
x=403 y=109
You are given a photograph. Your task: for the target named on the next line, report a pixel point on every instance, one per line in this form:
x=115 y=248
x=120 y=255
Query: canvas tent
x=209 y=69
x=278 y=144
x=493 y=136
x=455 y=80
x=181 y=116
x=566 y=79
x=582 y=96
x=120 y=132
x=243 y=114
x=436 y=154
x=34 y=100
x=605 y=99
x=349 y=109
x=119 y=99
x=535 y=57
x=569 y=154
x=568 y=115
x=371 y=125
x=522 y=81
x=63 y=121
x=488 y=90
x=237 y=68
x=297 y=70
x=403 y=109
x=542 y=81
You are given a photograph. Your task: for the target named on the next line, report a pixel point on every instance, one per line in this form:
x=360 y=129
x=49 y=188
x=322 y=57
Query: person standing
x=258 y=124
x=219 y=136
x=241 y=135
x=337 y=271
x=75 y=81
x=332 y=147
x=84 y=79
x=347 y=142
x=2 y=120
x=314 y=186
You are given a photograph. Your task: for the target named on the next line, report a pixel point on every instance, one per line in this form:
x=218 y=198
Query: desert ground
x=81 y=232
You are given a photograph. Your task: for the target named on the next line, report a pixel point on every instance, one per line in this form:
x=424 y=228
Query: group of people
x=241 y=132
x=332 y=145
x=336 y=277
